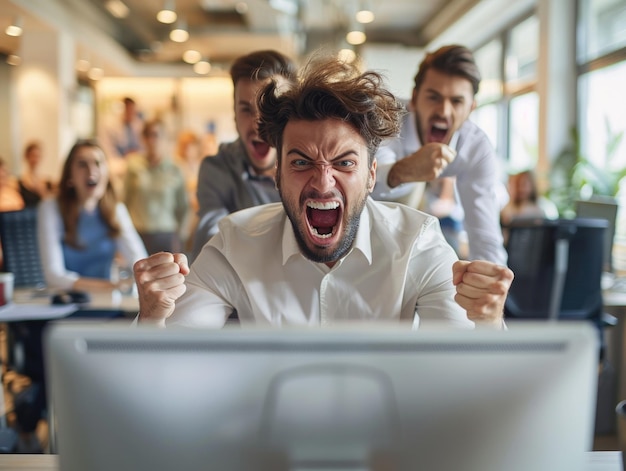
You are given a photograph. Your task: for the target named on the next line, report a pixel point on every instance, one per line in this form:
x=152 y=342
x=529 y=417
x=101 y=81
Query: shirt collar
x=362 y=242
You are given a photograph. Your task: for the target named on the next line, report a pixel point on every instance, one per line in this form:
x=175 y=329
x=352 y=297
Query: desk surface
x=597 y=461
x=99 y=299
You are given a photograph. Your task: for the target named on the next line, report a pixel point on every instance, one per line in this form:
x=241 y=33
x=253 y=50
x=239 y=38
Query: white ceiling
x=219 y=32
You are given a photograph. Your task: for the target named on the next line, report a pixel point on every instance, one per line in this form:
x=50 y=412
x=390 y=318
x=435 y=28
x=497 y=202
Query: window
x=523 y=132
x=522 y=53
x=601 y=28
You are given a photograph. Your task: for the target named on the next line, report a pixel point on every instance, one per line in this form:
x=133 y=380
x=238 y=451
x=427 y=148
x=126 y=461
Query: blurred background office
x=553 y=73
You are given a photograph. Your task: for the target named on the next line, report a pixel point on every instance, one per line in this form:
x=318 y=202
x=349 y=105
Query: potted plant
x=573 y=176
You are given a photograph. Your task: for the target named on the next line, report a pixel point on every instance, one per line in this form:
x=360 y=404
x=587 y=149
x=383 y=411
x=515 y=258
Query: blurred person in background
x=524 y=201
x=121 y=139
x=241 y=174
x=155 y=193
x=188 y=158
x=33 y=187
x=82 y=229
x=10 y=197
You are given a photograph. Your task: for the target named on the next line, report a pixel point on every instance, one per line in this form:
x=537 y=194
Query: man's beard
x=326 y=255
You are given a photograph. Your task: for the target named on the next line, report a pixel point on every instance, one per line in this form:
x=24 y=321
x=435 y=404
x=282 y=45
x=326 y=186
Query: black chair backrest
x=20 y=249
x=533 y=255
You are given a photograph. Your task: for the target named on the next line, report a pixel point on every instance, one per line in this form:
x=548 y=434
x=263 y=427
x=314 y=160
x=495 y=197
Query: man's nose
x=445 y=108
x=324 y=176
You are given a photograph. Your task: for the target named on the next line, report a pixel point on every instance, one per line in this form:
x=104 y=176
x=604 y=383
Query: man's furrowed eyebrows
x=298 y=152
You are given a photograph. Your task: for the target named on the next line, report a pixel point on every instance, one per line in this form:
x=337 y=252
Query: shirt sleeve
x=386 y=156
x=50 y=235
x=429 y=290
x=477 y=186
x=211 y=207
x=211 y=281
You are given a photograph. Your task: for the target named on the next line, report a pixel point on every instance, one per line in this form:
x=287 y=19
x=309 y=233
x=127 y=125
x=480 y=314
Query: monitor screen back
x=606 y=210
x=321 y=399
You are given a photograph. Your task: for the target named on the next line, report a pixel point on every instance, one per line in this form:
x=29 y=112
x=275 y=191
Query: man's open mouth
x=438 y=132
x=260 y=148
x=323 y=218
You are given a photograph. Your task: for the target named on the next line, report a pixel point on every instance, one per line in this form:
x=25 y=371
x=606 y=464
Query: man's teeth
x=321 y=236
x=443 y=127
x=319 y=205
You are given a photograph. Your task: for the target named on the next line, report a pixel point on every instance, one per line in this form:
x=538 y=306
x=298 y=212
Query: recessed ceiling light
x=15 y=28
x=191 y=56
x=168 y=14
x=179 y=34
x=365 y=16
x=117 y=8
x=202 y=67
x=95 y=73
x=14 y=59
x=356 y=37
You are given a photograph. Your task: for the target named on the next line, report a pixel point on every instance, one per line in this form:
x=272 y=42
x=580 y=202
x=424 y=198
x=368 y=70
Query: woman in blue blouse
x=85 y=227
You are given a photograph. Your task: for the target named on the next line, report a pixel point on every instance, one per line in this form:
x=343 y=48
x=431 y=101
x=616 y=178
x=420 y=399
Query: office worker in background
x=188 y=158
x=328 y=253
x=241 y=174
x=437 y=140
x=33 y=187
x=156 y=195
x=10 y=197
x=125 y=136
x=525 y=201
x=85 y=227
x=122 y=138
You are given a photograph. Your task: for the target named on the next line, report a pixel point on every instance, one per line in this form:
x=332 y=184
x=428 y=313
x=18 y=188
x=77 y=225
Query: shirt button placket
x=324 y=286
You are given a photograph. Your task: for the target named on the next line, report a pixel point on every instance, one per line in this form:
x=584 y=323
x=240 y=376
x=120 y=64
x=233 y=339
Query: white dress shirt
x=399 y=269
x=477 y=182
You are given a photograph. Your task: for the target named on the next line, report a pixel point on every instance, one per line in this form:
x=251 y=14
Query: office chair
x=558 y=269
x=20 y=249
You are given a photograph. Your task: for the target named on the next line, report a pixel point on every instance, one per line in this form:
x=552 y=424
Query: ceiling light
x=356 y=37
x=202 y=67
x=117 y=8
x=346 y=55
x=168 y=14
x=82 y=65
x=15 y=28
x=14 y=59
x=191 y=56
x=241 y=8
x=95 y=73
x=365 y=16
x=179 y=34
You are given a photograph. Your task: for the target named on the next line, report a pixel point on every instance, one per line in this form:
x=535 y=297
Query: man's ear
x=371 y=182
x=473 y=105
x=413 y=102
x=277 y=175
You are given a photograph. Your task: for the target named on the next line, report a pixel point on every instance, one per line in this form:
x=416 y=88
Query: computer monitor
x=320 y=399
x=606 y=209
